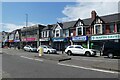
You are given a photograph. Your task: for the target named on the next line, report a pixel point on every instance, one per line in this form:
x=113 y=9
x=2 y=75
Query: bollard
x=40 y=51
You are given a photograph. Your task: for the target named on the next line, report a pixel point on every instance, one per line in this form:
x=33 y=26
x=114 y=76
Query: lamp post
x=26 y=27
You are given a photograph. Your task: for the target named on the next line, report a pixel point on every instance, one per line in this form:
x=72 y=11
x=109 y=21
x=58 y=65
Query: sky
x=14 y=13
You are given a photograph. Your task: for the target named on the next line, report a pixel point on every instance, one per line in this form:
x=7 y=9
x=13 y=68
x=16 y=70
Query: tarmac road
x=25 y=66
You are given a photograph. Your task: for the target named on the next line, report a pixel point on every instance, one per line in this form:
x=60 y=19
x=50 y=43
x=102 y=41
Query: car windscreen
x=49 y=47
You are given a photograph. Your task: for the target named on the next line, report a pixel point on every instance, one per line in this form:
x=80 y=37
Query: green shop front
x=97 y=41
x=60 y=43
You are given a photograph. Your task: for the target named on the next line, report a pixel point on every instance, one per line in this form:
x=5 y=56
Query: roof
x=88 y=21
x=111 y=18
x=69 y=24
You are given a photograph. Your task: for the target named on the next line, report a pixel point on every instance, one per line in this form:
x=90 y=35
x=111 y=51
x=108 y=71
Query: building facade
x=30 y=35
x=90 y=33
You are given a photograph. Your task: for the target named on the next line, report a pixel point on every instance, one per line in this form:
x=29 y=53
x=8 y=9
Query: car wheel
x=110 y=55
x=48 y=52
x=69 y=53
x=30 y=50
x=87 y=54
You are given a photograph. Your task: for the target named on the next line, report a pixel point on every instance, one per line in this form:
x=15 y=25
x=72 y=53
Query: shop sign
x=28 y=39
x=80 y=38
x=16 y=40
x=44 y=39
x=105 y=37
x=6 y=40
x=59 y=39
x=11 y=41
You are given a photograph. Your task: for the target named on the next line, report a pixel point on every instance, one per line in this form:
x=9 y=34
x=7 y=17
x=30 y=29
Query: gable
x=58 y=27
x=97 y=20
x=79 y=23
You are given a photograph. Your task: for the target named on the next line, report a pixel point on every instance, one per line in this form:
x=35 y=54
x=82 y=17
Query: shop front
x=11 y=43
x=44 y=41
x=97 y=41
x=60 y=43
x=29 y=41
x=80 y=40
x=5 y=43
x=17 y=43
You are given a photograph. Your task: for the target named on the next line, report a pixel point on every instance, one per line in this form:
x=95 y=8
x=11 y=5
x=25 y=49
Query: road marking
x=38 y=59
x=26 y=57
x=100 y=70
x=31 y=58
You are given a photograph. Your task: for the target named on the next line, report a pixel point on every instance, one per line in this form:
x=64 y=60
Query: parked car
x=29 y=48
x=47 y=49
x=78 y=49
x=111 y=49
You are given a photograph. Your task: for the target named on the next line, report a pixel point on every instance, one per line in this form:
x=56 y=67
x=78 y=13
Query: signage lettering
x=105 y=37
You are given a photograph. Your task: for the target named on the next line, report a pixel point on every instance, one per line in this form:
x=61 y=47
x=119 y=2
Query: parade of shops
x=90 y=33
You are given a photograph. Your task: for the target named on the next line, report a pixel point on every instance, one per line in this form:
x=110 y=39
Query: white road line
x=100 y=70
x=26 y=57
x=38 y=59
x=31 y=58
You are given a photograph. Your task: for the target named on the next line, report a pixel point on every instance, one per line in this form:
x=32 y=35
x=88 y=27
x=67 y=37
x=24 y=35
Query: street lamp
x=26 y=27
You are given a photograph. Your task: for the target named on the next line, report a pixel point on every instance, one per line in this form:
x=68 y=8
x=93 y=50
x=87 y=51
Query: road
x=20 y=64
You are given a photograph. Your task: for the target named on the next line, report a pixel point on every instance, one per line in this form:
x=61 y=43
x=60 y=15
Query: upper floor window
x=98 y=29
x=79 y=30
x=57 y=33
x=66 y=33
x=48 y=32
x=118 y=27
x=72 y=32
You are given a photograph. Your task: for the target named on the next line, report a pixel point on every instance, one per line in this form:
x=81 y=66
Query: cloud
x=10 y=27
x=83 y=10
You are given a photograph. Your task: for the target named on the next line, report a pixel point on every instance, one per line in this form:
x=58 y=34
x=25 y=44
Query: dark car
x=111 y=49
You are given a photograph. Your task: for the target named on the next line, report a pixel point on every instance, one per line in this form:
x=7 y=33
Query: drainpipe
x=88 y=43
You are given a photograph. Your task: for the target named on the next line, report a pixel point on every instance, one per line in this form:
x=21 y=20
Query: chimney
x=93 y=15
